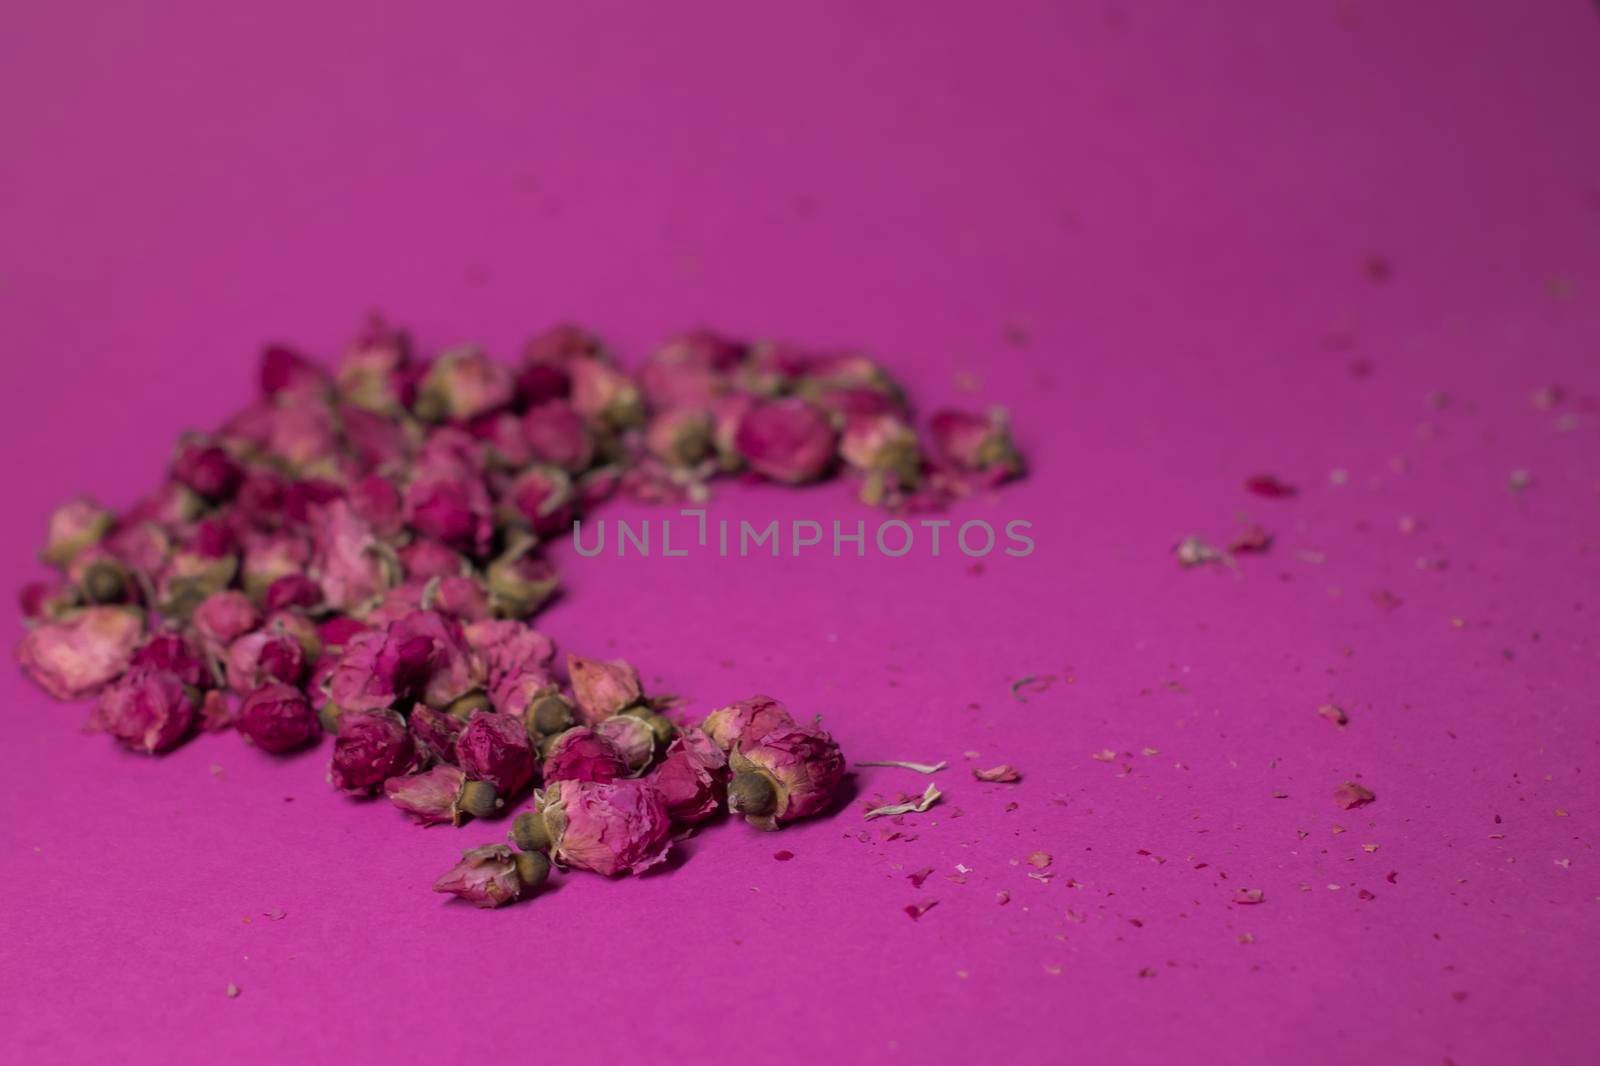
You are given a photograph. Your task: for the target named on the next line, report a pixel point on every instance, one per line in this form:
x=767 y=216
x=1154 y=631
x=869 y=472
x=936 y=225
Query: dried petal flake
x=1005 y=774
x=928 y=799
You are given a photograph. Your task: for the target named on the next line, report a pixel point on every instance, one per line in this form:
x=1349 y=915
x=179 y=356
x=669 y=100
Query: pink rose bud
x=681 y=437
x=453 y=670
x=353 y=567
x=46 y=601
x=147 y=710
x=581 y=754
x=373 y=373
x=215 y=712
x=790 y=773
x=560 y=345
x=144 y=547
x=435 y=733
x=257 y=658
x=374 y=442
x=73 y=527
x=495 y=748
x=494 y=875
x=520 y=582
x=786 y=440
x=461 y=598
x=603 y=687
x=727 y=412
x=516 y=694
x=541 y=499
x=446 y=498
x=293 y=591
x=689 y=371
x=174 y=654
x=692 y=778
x=603 y=394
x=370 y=749
x=285 y=371
x=611 y=829
x=975 y=444
x=376 y=501
x=633 y=737
x=424 y=559
x=78 y=656
x=302 y=435
x=224 y=617
x=277 y=718
x=461 y=385
x=742 y=724
x=380 y=669
x=338 y=631
x=207 y=469
x=558 y=435
x=883 y=448
x=508 y=647
x=441 y=795
x=300 y=497
x=269 y=556
x=505 y=445
x=170 y=505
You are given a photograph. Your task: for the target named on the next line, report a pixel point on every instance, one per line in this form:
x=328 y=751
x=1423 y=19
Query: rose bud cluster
x=360 y=551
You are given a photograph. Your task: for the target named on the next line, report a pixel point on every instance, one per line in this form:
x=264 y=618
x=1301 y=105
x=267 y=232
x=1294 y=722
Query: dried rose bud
x=884 y=450
x=46 y=601
x=224 y=617
x=78 y=655
x=681 y=437
x=508 y=647
x=173 y=653
x=453 y=669
x=975 y=444
x=370 y=749
x=215 y=712
x=560 y=344
x=690 y=370
x=374 y=442
x=493 y=875
x=424 y=559
x=539 y=498
x=257 y=658
x=633 y=737
x=286 y=371
x=742 y=724
x=692 y=778
x=442 y=794
x=801 y=767
x=379 y=669
x=269 y=556
x=461 y=598
x=293 y=591
x=604 y=394
x=461 y=385
x=515 y=694
x=372 y=372
x=520 y=582
x=1350 y=795
x=603 y=687
x=73 y=527
x=446 y=498
x=558 y=435
x=581 y=754
x=505 y=446
x=207 y=469
x=147 y=710
x=277 y=718
x=786 y=440
x=611 y=829
x=351 y=564
x=435 y=733
x=495 y=748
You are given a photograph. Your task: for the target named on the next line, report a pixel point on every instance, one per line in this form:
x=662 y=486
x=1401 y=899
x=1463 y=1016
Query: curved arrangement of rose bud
x=358 y=553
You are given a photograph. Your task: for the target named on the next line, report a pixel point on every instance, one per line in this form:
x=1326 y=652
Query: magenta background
x=1175 y=202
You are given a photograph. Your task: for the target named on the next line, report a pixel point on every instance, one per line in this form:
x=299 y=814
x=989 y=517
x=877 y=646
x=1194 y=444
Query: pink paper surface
x=1184 y=244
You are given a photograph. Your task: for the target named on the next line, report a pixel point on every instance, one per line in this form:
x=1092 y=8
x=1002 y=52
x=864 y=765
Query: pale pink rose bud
x=581 y=754
x=881 y=442
x=173 y=653
x=277 y=718
x=207 y=469
x=224 y=617
x=975 y=444
x=773 y=367
x=603 y=687
x=286 y=371
x=558 y=435
x=73 y=527
x=461 y=385
x=494 y=875
x=453 y=669
x=370 y=749
x=373 y=373
x=302 y=435
x=790 y=773
x=350 y=563
x=441 y=795
x=611 y=829
x=46 y=601
x=689 y=371
x=859 y=403
x=495 y=748
x=539 y=498
x=515 y=694
x=560 y=345
x=786 y=440
x=147 y=710
x=293 y=592
x=681 y=437
x=633 y=736
x=604 y=395
x=80 y=654
x=746 y=722
x=262 y=656
x=435 y=733
x=520 y=582
x=425 y=559
x=692 y=778
x=269 y=556
x=837 y=371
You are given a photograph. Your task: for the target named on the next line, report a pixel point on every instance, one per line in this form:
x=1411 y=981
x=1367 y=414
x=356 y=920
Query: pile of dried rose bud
x=358 y=553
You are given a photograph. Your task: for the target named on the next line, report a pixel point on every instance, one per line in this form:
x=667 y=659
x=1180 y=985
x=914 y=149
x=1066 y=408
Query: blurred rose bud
x=786 y=440
x=80 y=654
x=374 y=442
x=975 y=444
x=147 y=710
x=262 y=656
x=379 y=669
x=352 y=565
x=372 y=372
x=560 y=345
x=46 y=601
x=207 y=469
x=539 y=498
x=73 y=527
x=604 y=395
x=520 y=582
x=690 y=370
x=453 y=669
x=277 y=718
x=224 y=617
x=269 y=556
x=370 y=749
x=446 y=498
x=423 y=559
x=681 y=437
x=173 y=653
x=285 y=371
x=461 y=385
x=293 y=592
x=435 y=733
x=558 y=435
x=505 y=445
x=376 y=501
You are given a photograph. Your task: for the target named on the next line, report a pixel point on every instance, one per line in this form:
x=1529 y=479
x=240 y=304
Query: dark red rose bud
x=495 y=748
x=376 y=501
x=174 y=654
x=692 y=778
x=581 y=754
x=207 y=469
x=370 y=749
x=46 y=601
x=291 y=591
x=277 y=718
x=147 y=710
x=257 y=658
x=216 y=714
x=541 y=383
x=560 y=344
x=435 y=732
x=338 y=631
x=283 y=370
